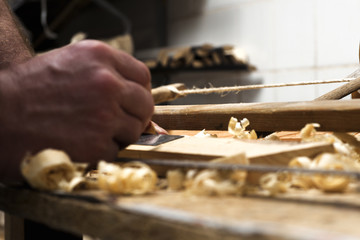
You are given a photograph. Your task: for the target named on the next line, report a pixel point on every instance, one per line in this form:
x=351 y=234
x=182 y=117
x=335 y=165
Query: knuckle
x=94 y=48
x=105 y=80
x=106 y=117
x=142 y=75
x=145 y=99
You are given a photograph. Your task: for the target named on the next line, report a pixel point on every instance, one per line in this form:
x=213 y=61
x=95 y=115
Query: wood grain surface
x=195 y=148
x=175 y=215
x=343 y=90
x=332 y=115
x=257 y=151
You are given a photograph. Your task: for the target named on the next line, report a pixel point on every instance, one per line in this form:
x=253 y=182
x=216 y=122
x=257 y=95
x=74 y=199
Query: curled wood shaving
x=273 y=183
x=82 y=183
x=204 y=134
x=131 y=178
x=237 y=128
x=216 y=182
x=309 y=134
x=330 y=183
x=302 y=162
x=346 y=157
x=48 y=170
x=301 y=181
x=211 y=182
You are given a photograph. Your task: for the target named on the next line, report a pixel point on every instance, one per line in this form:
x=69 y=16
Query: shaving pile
x=131 y=178
x=53 y=170
x=346 y=157
x=215 y=182
x=238 y=129
x=210 y=181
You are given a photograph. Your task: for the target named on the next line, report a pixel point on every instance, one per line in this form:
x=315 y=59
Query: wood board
x=332 y=115
x=201 y=149
x=175 y=215
x=195 y=148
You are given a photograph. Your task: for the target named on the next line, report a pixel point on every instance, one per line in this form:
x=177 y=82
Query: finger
x=158 y=129
x=109 y=153
x=128 y=130
x=136 y=101
x=123 y=63
x=132 y=69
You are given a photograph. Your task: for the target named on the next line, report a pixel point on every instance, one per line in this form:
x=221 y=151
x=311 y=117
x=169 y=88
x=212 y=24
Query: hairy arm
x=14 y=47
x=86 y=99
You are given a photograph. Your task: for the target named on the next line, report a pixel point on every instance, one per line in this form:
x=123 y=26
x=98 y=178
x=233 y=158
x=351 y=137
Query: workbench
x=176 y=215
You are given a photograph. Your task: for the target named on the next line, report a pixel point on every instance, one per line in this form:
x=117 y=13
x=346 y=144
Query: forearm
x=14 y=47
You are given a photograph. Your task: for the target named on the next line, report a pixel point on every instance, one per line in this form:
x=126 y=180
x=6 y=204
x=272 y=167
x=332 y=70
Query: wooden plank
x=121 y=221
x=296 y=212
x=195 y=148
x=174 y=215
x=218 y=133
x=332 y=115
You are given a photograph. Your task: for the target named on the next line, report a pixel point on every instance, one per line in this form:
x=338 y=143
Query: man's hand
x=87 y=99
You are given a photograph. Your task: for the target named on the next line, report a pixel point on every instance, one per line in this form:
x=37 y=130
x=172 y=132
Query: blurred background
x=280 y=40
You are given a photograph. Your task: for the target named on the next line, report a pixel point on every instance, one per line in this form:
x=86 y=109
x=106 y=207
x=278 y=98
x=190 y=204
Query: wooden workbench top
x=175 y=215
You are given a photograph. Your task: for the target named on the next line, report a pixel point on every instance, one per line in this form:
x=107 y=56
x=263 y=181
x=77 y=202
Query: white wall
x=287 y=40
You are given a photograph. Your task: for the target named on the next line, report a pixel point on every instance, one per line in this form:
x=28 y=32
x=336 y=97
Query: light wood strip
x=332 y=115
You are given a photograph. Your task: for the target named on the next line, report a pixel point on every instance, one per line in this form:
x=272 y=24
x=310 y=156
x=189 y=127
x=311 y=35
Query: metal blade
x=154 y=140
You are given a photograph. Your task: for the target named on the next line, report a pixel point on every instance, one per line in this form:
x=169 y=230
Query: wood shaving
x=53 y=170
x=329 y=161
x=273 y=184
x=238 y=129
x=346 y=157
x=272 y=137
x=217 y=182
x=133 y=178
x=301 y=181
x=175 y=179
x=82 y=183
x=204 y=134
x=309 y=134
x=48 y=170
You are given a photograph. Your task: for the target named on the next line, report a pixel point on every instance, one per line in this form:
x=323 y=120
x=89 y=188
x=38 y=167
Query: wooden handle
x=342 y=91
x=167 y=93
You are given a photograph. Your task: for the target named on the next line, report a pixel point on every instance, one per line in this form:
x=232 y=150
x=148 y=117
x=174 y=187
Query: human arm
x=14 y=46
x=86 y=99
